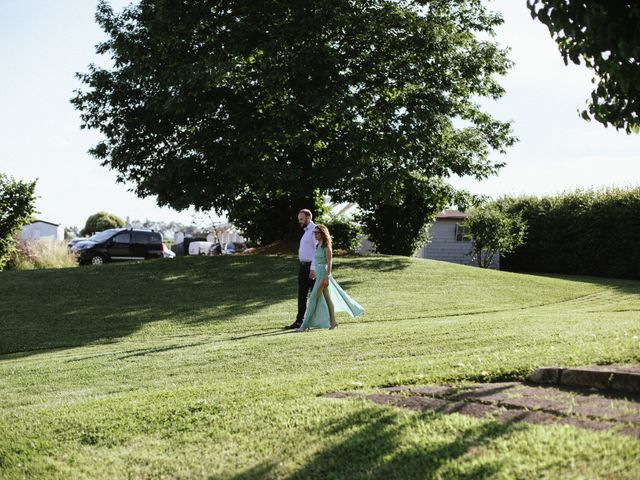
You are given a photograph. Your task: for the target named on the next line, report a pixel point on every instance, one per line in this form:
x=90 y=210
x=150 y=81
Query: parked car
x=120 y=244
x=73 y=241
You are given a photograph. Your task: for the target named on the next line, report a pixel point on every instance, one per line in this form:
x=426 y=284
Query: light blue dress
x=317 y=313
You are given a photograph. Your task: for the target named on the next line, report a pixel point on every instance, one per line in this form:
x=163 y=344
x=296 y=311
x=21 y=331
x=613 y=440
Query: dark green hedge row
x=579 y=233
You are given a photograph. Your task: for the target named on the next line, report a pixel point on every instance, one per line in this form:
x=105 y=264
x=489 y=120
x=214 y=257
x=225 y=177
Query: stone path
x=594 y=409
x=619 y=378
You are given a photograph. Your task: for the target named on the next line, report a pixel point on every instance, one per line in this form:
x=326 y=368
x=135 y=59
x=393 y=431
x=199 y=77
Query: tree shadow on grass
x=64 y=308
x=376 y=443
x=621 y=285
x=372 y=451
x=257 y=472
x=67 y=308
x=378 y=263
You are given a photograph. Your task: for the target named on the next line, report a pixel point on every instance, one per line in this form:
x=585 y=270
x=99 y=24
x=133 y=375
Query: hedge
x=586 y=232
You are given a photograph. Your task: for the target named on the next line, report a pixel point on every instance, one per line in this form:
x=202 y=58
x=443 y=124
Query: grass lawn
x=180 y=369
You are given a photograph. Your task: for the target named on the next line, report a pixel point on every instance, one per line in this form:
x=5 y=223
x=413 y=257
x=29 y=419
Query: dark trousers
x=304 y=285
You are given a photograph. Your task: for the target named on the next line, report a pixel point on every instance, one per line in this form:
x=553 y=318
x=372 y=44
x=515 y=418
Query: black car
x=119 y=244
x=72 y=242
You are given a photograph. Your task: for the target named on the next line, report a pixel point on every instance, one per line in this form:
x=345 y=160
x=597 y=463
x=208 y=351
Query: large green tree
x=258 y=108
x=603 y=34
x=17 y=205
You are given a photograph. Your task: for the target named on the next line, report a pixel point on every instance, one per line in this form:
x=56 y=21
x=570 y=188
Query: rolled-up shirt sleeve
x=306 y=252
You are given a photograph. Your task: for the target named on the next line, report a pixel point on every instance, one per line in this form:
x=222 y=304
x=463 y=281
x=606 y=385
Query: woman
x=326 y=297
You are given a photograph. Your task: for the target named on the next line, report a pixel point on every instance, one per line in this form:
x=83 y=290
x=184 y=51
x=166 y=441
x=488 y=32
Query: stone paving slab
x=620 y=378
x=552 y=400
x=514 y=401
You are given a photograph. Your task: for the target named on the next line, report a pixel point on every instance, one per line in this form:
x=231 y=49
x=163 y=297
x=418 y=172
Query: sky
x=44 y=43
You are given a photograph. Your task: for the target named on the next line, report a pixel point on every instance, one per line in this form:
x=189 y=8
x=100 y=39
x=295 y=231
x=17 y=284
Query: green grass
x=179 y=369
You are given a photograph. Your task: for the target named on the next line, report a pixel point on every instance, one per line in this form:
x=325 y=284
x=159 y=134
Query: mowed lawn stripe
x=183 y=371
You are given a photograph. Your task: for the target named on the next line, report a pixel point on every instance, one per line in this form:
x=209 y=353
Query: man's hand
x=312 y=275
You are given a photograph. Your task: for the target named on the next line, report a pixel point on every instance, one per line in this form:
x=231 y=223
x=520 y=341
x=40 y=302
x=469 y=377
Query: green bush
x=17 y=204
x=344 y=233
x=397 y=221
x=37 y=254
x=586 y=232
x=494 y=232
x=101 y=221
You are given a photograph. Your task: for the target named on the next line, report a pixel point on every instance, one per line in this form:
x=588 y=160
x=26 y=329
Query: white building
x=449 y=239
x=39 y=229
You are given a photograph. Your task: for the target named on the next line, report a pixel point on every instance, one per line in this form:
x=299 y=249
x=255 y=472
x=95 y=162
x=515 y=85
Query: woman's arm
x=327 y=252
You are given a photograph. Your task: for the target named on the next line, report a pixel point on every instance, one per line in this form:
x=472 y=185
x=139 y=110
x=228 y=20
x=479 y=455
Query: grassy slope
x=179 y=369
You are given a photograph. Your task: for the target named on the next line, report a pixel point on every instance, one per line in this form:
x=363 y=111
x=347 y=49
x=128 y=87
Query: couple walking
x=316 y=261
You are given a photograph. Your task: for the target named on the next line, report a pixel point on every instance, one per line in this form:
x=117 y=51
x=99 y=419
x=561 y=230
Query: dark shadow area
x=151 y=351
x=617 y=284
x=374 y=448
x=269 y=333
x=52 y=309
x=259 y=472
x=378 y=263
x=140 y=352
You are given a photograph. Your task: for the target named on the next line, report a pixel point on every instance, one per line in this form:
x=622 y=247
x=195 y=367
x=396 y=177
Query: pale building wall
x=445 y=247
x=39 y=230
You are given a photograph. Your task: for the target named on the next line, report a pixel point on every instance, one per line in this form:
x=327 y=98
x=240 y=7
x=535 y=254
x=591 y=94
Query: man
x=306 y=273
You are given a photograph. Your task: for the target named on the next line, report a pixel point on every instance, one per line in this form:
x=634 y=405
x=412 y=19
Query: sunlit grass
x=180 y=369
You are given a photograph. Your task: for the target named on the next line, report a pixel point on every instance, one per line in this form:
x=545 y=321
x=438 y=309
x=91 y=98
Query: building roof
x=452 y=215
x=44 y=221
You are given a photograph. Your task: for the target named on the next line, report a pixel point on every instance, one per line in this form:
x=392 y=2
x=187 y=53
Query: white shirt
x=308 y=246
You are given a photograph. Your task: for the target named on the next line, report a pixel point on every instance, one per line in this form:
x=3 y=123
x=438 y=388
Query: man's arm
x=312 y=272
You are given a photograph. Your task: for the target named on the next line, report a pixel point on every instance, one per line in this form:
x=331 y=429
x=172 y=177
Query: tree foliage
x=258 y=108
x=397 y=215
x=605 y=35
x=17 y=205
x=494 y=232
x=345 y=232
x=101 y=221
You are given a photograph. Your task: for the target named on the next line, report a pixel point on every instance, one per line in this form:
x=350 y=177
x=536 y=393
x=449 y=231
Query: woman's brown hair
x=324 y=232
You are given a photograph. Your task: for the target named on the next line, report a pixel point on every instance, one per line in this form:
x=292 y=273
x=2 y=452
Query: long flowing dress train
x=317 y=313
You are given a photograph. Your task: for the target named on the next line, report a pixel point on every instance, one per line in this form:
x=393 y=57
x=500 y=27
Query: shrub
x=37 y=254
x=397 y=222
x=344 y=233
x=101 y=221
x=494 y=232
x=586 y=232
x=17 y=200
